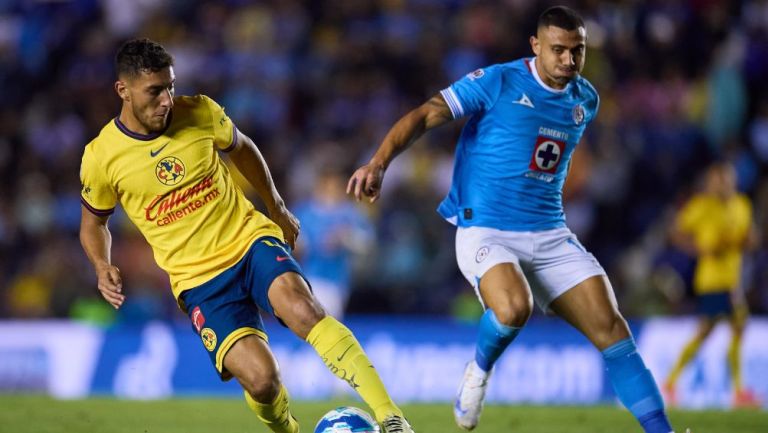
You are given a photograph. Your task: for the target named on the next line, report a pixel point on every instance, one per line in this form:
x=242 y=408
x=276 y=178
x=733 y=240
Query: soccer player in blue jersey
x=512 y=244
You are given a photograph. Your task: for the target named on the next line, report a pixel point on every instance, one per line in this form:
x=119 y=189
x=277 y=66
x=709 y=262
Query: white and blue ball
x=347 y=419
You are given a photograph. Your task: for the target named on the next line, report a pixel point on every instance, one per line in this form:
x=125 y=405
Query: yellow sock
x=689 y=351
x=344 y=356
x=276 y=415
x=734 y=359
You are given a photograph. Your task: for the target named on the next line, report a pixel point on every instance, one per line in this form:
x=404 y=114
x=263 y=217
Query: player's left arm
x=250 y=162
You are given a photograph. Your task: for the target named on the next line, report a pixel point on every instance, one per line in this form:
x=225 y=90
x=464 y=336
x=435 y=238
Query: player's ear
x=535 y=46
x=122 y=90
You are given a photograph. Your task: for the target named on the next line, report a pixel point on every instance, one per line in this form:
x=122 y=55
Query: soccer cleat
x=469 y=399
x=396 y=424
x=746 y=399
x=294 y=424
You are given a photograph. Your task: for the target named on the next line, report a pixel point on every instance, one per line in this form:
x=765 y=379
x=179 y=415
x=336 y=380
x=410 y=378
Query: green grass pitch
x=32 y=414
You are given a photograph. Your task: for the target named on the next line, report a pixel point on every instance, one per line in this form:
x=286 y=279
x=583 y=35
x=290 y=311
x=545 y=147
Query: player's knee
x=515 y=312
x=305 y=307
x=308 y=312
x=302 y=314
x=609 y=328
x=263 y=386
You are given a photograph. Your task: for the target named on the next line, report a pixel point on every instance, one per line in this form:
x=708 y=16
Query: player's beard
x=151 y=122
x=565 y=78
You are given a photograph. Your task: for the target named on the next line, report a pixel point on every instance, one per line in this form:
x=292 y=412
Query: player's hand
x=366 y=181
x=288 y=223
x=111 y=285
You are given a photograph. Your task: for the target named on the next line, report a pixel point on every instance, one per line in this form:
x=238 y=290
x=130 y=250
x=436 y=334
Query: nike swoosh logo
x=153 y=153
x=282 y=258
x=344 y=353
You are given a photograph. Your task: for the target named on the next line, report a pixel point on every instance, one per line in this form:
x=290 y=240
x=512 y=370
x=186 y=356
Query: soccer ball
x=347 y=419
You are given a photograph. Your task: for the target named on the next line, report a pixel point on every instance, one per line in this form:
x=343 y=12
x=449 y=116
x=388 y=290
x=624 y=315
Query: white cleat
x=396 y=424
x=469 y=400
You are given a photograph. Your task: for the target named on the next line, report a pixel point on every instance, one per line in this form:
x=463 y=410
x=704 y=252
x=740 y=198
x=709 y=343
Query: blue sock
x=492 y=339
x=635 y=387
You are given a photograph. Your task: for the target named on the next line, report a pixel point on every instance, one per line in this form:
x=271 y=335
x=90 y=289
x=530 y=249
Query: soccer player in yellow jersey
x=160 y=160
x=716 y=226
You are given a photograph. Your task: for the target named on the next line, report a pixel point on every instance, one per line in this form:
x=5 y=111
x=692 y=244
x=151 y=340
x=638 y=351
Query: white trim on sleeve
x=453 y=102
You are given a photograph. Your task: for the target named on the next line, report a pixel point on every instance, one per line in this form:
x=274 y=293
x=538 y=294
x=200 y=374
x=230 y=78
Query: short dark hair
x=137 y=55
x=562 y=17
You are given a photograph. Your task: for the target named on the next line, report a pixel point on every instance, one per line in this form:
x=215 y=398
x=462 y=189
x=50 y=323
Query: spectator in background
x=716 y=227
x=333 y=230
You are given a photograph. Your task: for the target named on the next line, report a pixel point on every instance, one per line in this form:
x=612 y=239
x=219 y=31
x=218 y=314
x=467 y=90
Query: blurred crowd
x=318 y=83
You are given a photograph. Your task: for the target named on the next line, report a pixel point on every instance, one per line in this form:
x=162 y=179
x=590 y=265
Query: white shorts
x=553 y=261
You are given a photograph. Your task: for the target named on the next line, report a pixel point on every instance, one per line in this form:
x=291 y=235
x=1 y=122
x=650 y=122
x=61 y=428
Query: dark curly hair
x=137 y=55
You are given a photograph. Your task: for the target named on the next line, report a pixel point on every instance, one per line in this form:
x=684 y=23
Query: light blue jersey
x=514 y=152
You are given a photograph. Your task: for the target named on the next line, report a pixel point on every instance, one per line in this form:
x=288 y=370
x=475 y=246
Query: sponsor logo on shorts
x=482 y=253
x=198 y=319
x=209 y=338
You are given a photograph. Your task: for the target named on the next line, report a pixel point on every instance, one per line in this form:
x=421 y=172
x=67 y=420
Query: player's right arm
x=98 y=200
x=367 y=179
x=97 y=242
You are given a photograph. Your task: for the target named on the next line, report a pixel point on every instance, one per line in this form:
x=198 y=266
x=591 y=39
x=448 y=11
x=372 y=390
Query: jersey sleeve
x=97 y=194
x=592 y=102
x=476 y=92
x=224 y=131
x=596 y=107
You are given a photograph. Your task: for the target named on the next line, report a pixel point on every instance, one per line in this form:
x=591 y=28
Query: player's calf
x=262 y=387
x=635 y=386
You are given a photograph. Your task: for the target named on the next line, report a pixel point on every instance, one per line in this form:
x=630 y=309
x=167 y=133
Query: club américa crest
x=209 y=338
x=170 y=170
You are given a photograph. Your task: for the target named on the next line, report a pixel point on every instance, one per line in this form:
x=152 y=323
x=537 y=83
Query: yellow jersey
x=719 y=229
x=177 y=190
